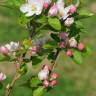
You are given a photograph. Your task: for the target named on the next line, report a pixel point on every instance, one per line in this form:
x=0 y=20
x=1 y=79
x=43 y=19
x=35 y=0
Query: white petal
x=30 y=13
x=8 y=46
x=25 y=8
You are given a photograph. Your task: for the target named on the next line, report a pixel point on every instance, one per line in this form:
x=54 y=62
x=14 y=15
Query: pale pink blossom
x=72 y=42
x=43 y=75
x=3 y=50
x=53 y=10
x=69 y=21
x=2 y=76
x=73 y=9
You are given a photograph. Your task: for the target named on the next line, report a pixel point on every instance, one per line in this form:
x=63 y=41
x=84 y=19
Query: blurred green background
x=74 y=80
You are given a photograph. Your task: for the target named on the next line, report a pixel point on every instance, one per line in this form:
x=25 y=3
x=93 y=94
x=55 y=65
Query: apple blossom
x=69 y=21
x=13 y=46
x=81 y=46
x=2 y=76
x=69 y=53
x=73 y=42
x=46 y=67
x=63 y=11
x=32 y=7
x=43 y=75
x=53 y=10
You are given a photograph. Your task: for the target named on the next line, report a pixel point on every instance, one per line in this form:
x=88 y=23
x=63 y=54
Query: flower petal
x=25 y=8
x=30 y=13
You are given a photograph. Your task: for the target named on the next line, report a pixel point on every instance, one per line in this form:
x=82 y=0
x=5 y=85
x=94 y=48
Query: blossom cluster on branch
x=54 y=26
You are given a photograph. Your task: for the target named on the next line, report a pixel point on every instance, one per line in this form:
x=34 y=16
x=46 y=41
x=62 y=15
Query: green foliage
x=54 y=23
x=77 y=57
x=34 y=82
x=39 y=91
x=84 y=14
x=4 y=57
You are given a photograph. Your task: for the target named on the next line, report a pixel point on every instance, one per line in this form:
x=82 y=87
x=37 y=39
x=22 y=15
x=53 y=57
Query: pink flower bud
x=69 y=21
x=53 y=83
x=62 y=45
x=69 y=53
x=46 y=5
x=3 y=50
x=33 y=50
x=54 y=75
x=2 y=76
x=53 y=10
x=46 y=67
x=81 y=46
x=73 y=9
x=46 y=83
x=64 y=35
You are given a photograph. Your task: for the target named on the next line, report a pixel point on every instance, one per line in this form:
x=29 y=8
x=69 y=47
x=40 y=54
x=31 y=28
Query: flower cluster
x=68 y=43
x=48 y=78
x=54 y=26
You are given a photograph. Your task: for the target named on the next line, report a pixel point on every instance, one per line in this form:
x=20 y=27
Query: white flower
x=73 y=42
x=2 y=76
x=13 y=46
x=47 y=1
x=63 y=12
x=32 y=7
x=43 y=75
x=69 y=21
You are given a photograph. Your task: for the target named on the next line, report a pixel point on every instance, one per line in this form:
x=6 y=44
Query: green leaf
x=35 y=81
x=84 y=14
x=27 y=43
x=42 y=19
x=55 y=37
x=51 y=44
x=15 y=3
x=4 y=57
x=54 y=23
x=23 y=69
x=77 y=57
x=36 y=60
x=39 y=91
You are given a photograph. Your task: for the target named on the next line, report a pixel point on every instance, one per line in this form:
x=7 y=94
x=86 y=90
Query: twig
x=10 y=86
x=54 y=61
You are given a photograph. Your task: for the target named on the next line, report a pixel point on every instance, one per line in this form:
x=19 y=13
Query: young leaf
x=54 y=23
x=36 y=60
x=39 y=91
x=4 y=58
x=34 y=82
x=84 y=14
x=77 y=57
x=55 y=37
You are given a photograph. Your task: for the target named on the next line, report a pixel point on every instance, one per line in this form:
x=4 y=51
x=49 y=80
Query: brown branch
x=10 y=86
x=54 y=61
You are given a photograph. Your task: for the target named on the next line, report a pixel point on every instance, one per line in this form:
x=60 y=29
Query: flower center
x=33 y=7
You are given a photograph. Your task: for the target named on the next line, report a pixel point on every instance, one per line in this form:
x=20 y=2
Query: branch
x=10 y=86
x=54 y=61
